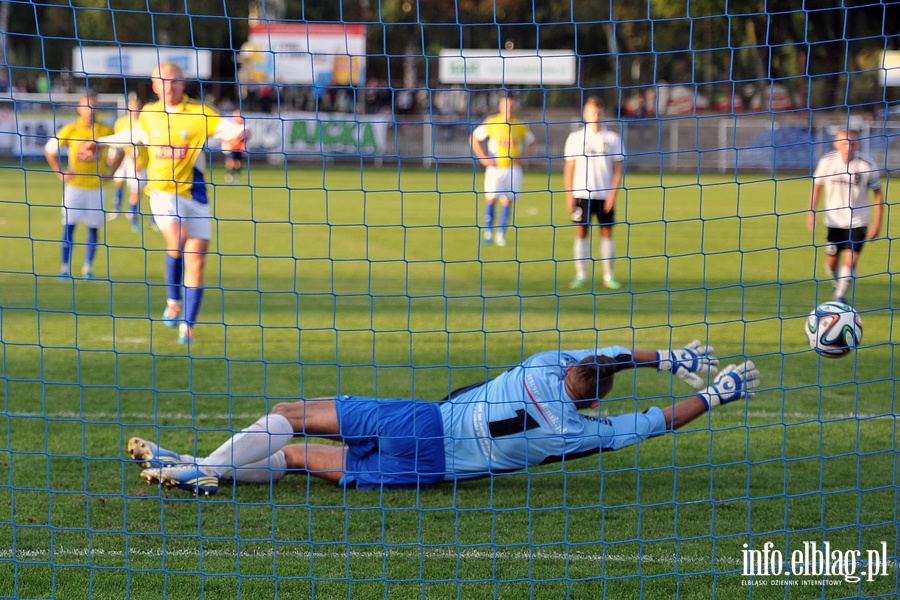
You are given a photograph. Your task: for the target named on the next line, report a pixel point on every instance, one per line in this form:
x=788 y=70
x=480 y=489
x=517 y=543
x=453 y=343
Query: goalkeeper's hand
x=735 y=381
x=689 y=363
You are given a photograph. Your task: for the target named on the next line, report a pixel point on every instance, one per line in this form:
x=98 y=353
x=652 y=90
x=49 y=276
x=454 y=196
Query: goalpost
x=350 y=261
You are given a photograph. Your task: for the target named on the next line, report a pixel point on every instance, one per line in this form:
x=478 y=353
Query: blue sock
x=489 y=216
x=119 y=192
x=504 y=217
x=133 y=215
x=174 y=273
x=193 y=297
x=66 y=246
x=91 y=247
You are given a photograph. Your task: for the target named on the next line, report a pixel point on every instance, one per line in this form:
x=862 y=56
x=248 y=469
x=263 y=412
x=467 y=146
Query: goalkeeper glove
x=687 y=362
x=735 y=381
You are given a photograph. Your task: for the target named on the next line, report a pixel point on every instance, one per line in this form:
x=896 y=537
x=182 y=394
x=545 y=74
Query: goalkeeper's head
x=590 y=380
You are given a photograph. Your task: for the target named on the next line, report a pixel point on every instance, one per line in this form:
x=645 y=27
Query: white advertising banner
x=322 y=133
x=136 y=61
x=320 y=54
x=508 y=67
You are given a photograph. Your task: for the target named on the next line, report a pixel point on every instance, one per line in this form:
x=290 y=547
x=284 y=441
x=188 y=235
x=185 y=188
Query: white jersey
x=846 y=188
x=594 y=155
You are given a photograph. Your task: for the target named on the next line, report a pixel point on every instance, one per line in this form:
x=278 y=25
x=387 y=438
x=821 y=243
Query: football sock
x=608 y=255
x=256 y=443
x=582 y=249
x=66 y=246
x=119 y=194
x=174 y=273
x=505 y=211
x=91 y=247
x=193 y=298
x=268 y=470
x=133 y=212
x=844 y=278
x=489 y=216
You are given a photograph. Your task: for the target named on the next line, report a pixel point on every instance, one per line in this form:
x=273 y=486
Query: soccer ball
x=834 y=329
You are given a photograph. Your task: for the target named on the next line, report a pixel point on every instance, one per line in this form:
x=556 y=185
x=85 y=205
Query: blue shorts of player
x=391 y=443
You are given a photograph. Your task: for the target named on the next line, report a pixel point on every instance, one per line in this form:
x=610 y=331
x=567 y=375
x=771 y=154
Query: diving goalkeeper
x=527 y=416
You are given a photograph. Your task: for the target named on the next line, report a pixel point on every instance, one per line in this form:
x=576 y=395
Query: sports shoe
x=64 y=273
x=611 y=284
x=186 y=477
x=185 y=334
x=577 y=283
x=172 y=314
x=486 y=238
x=135 y=226
x=112 y=216
x=499 y=240
x=150 y=456
x=87 y=272
x=841 y=299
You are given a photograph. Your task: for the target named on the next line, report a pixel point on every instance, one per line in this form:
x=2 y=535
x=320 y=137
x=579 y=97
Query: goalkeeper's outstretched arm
x=733 y=383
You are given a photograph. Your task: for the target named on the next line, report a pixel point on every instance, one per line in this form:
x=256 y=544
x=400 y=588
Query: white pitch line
x=424 y=552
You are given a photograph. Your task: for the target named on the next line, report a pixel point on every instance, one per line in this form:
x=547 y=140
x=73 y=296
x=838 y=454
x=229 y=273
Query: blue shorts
x=391 y=442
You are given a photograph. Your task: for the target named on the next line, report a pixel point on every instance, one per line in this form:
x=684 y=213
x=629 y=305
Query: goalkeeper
x=527 y=416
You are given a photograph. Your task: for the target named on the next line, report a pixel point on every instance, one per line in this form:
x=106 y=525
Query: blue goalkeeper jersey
x=525 y=417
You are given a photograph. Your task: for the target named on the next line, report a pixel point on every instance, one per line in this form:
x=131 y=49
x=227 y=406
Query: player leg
x=237 y=158
x=93 y=219
x=490 y=195
x=581 y=248
x=197 y=231
x=847 y=267
x=835 y=238
x=134 y=204
x=608 y=247
x=319 y=460
x=253 y=448
x=163 y=206
x=509 y=186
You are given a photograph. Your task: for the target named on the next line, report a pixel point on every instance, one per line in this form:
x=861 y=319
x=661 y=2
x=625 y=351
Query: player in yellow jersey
x=175 y=130
x=133 y=168
x=508 y=142
x=82 y=183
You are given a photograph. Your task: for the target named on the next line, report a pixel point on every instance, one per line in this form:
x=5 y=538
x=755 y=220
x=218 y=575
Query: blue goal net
x=399 y=299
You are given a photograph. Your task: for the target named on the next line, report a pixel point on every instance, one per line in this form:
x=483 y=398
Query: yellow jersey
x=136 y=153
x=175 y=141
x=508 y=141
x=87 y=159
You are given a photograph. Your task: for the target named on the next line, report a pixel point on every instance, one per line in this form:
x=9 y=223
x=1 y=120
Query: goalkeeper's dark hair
x=591 y=379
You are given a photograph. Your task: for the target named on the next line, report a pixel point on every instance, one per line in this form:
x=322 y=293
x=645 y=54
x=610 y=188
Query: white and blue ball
x=834 y=329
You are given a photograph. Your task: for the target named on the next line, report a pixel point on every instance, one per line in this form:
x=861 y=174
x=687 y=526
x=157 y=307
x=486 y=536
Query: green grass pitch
x=373 y=283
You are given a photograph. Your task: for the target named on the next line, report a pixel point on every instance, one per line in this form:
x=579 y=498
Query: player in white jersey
x=846 y=177
x=592 y=177
x=527 y=416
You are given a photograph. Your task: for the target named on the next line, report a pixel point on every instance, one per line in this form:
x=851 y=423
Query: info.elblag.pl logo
x=819 y=562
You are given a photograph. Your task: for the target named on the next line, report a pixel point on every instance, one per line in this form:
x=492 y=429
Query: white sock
x=844 y=278
x=269 y=470
x=608 y=255
x=582 y=251
x=256 y=443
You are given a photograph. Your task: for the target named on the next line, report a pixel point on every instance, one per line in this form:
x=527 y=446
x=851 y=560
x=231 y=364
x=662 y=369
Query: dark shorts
x=585 y=208
x=238 y=155
x=391 y=442
x=845 y=239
